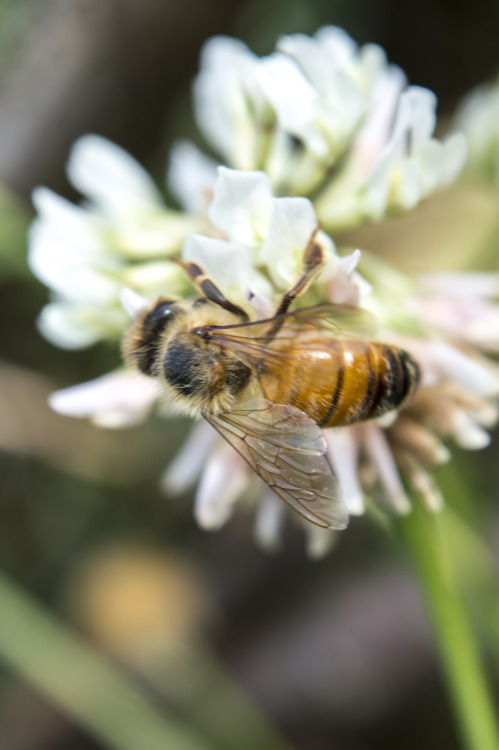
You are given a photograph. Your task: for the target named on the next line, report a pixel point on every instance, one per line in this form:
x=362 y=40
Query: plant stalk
x=427 y=540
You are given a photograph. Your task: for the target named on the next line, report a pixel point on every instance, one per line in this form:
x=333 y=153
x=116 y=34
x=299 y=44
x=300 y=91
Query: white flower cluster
x=86 y=254
x=318 y=116
x=318 y=136
x=266 y=237
x=323 y=116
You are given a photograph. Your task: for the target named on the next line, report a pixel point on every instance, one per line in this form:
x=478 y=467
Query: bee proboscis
x=269 y=386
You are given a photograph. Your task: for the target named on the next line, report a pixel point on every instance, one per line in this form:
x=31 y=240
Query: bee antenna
x=132 y=302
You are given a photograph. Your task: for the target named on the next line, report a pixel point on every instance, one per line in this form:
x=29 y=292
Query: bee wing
x=287 y=450
x=342 y=320
x=261 y=341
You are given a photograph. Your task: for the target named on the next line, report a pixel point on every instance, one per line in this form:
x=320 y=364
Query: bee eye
x=156 y=320
x=153 y=325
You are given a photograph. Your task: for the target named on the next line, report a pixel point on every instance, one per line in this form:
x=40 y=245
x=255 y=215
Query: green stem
x=81 y=682
x=428 y=543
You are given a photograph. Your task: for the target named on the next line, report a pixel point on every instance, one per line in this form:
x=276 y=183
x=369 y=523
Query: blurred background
x=335 y=655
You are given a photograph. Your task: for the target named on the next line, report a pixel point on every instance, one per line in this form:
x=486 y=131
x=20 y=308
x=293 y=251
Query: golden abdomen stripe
x=379 y=379
x=341 y=381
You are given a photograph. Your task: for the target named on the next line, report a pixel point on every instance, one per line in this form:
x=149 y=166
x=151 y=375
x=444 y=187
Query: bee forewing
x=287 y=450
x=342 y=320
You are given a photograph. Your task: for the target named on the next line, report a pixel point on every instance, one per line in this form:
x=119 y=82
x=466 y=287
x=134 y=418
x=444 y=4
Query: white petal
x=327 y=61
x=483 y=329
x=350 y=262
x=455 y=152
x=222 y=482
x=111 y=177
x=186 y=467
x=311 y=57
x=374 y=134
x=429 y=164
x=191 y=176
x=411 y=166
x=338 y=44
x=119 y=399
x=156 y=278
x=377 y=448
x=262 y=305
x=132 y=302
x=242 y=205
x=159 y=234
x=269 y=522
x=228 y=263
x=79 y=326
x=292 y=223
x=378 y=184
x=343 y=453
x=319 y=541
x=407 y=190
x=65 y=221
x=60 y=324
x=452 y=363
x=298 y=107
x=371 y=67
x=226 y=94
x=467 y=433
x=423 y=104
x=478 y=116
x=72 y=272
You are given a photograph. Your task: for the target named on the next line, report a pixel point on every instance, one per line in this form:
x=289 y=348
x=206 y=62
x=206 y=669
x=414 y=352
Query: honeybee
x=269 y=386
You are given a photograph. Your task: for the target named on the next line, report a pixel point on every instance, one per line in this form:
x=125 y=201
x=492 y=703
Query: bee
x=268 y=386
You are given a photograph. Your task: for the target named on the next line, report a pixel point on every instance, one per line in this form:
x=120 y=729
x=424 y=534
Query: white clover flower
x=85 y=254
x=266 y=237
x=406 y=166
x=323 y=116
x=462 y=307
x=323 y=135
x=229 y=100
x=191 y=177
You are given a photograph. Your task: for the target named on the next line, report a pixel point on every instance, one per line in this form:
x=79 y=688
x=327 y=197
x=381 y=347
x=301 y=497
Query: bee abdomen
x=372 y=380
x=397 y=381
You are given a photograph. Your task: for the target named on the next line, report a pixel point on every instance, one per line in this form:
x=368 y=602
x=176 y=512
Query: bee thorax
x=206 y=379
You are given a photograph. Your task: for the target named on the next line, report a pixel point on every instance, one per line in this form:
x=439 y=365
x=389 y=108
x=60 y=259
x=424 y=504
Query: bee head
x=167 y=341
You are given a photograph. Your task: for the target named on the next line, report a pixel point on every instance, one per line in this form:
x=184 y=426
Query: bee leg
x=208 y=288
x=314 y=260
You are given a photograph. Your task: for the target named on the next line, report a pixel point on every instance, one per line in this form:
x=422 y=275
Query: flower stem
x=53 y=659
x=428 y=542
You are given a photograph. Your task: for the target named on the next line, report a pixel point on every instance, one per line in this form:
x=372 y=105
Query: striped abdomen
x=340 y=381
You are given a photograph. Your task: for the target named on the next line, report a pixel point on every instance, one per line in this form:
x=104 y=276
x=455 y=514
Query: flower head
x=318 y=136
x=264 y=238
x=123 y=236
x=323 y=116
